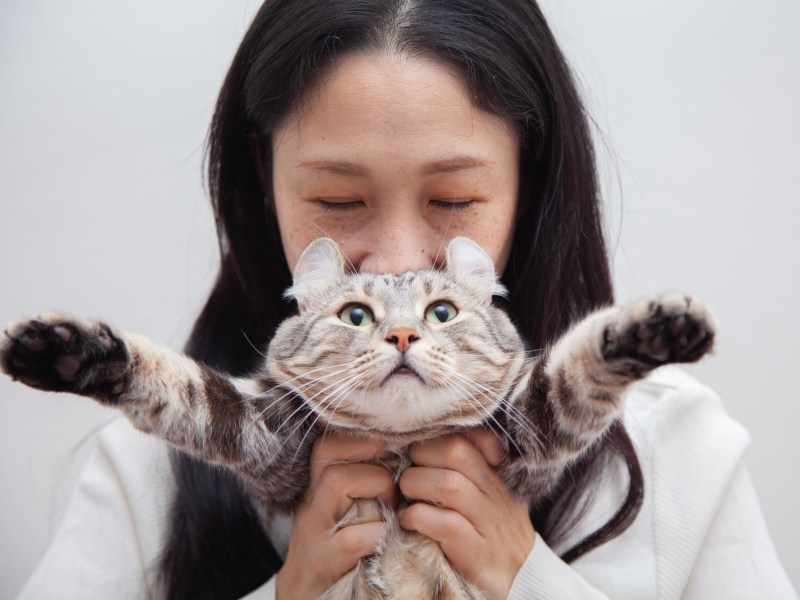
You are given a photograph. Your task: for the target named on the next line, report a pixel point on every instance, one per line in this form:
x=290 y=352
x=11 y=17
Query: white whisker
x=453 y=382
x=300 y=388
x=349 y=262
x=511 y=411
x=444 y=235
x=340 y=394
x=252 y=345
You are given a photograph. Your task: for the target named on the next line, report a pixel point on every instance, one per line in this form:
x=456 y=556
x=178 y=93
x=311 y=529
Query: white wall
x=103 y=110
x=699 y=105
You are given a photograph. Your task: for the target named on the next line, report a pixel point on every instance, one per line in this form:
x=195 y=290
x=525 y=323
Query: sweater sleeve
x=110 y=536
x=545 y=576
x=700 y=533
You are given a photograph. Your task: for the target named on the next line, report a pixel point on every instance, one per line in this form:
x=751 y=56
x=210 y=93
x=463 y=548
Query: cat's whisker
x=252 y=345
x=454 y=384
x=301 y=388
x=341 y=397
x=352 y=377
x=522 y=422
x=321 y=392
x=296 y=391
x=339 y=394
x=511 y=411
x=465 y=394
x=326 y=234
x=444 y=235
x=306 y=404
x=288 y=382
x=501 y=401
x=442 y=351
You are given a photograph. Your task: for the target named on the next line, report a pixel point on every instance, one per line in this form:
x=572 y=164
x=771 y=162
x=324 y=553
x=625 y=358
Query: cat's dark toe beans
x=682 y=331
x=67 y=366
x=678 y=325
x=656 y=347
x=671 y=328
x=60 y=353
x=63 y=333
x=44 y=352
x=31 y=340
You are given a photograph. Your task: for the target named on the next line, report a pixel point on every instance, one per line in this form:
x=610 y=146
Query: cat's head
x=397 y=355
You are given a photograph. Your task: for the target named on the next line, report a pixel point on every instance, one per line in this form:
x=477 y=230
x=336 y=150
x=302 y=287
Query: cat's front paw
x=56 y=352
x=672 y=328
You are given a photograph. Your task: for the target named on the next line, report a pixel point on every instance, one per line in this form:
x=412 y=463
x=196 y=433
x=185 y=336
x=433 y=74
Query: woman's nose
x=397 y=252
x=398 y=242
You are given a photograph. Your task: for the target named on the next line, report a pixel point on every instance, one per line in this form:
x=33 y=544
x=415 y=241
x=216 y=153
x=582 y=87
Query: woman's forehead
x=400 y=107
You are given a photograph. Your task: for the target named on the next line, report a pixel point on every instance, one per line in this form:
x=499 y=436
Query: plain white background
x=103 y=113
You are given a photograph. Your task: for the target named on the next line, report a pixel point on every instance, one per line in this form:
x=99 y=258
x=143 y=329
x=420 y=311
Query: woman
x=393 y=126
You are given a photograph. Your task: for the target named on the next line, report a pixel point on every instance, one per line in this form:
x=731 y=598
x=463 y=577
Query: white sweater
x=700 y=533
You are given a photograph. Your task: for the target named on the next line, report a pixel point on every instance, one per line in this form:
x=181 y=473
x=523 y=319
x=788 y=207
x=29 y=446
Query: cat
x=403 y=357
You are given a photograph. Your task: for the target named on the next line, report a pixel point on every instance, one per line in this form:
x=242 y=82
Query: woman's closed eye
x=340 y=204
x=452 y=203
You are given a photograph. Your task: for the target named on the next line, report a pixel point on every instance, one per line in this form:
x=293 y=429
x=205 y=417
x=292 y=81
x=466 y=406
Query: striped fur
x=322 y=373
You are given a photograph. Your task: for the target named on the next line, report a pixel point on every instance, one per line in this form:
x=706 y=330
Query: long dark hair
x=558 y=269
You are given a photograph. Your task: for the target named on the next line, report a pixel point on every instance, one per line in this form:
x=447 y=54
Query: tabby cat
x=403 y=357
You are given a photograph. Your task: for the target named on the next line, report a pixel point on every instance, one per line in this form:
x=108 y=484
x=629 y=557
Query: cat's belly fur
x=406 y=565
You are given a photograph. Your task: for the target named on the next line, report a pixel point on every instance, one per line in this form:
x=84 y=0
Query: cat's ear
x=320 y=265
x=467 y=260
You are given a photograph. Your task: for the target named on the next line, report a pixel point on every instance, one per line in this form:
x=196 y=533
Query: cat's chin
x=403 y=375
x=398 y=439
x=403 y=406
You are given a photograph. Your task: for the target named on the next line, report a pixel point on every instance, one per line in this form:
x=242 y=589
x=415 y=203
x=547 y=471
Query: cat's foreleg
x=160 y=391
x=575 y=390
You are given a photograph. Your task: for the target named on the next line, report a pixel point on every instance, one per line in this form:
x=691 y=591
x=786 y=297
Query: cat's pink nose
x=402 y=338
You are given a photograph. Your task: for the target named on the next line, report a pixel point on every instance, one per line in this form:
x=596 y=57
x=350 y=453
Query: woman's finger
x=457 y=453
x=487 y=441
x=454 y=533
x=339 y=484
x=352 y=543
x=333 y=448
x=318 y=558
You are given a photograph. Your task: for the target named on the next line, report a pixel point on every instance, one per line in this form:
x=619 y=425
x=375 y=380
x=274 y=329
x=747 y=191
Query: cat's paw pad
x=61 y=353
x=669 y=329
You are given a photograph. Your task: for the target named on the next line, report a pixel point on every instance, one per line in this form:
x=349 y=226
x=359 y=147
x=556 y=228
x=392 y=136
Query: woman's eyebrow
x=457 y=163
x=448 y=165
x=337 y=167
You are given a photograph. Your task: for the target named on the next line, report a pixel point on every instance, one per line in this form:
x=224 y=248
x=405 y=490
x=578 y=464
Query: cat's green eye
x=356 y=314
x=441 y=312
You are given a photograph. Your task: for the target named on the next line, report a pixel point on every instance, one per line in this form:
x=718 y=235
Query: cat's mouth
x=403 y=370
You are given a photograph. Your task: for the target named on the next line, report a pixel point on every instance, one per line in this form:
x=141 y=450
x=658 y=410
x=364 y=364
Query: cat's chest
x=396 y=462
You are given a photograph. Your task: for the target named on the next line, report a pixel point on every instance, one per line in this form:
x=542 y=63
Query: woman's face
x=391 y=159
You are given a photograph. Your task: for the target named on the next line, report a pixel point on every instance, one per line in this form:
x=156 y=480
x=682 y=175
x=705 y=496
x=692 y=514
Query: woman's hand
x=482 y=528
x=316 y=557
